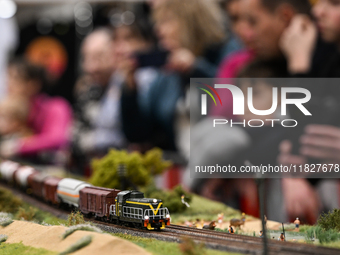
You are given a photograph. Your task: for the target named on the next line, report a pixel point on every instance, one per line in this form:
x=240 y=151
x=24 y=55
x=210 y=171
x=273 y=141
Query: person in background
x=137 y=57
x=14 y=118
x=97 y=122
x=243 y=34
x=283 y=30
x=260 y=25
x=273 y=23
x=232 y=64
x=318 y=142
x=8 y=43
x=300 y=40
x=49 y=118
x=240 y=26
x=194 y=36
x=235 y=145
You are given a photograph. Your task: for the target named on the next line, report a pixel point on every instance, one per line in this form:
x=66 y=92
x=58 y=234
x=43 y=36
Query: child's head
x=13 y=115
x=327 y=13
x=260 y=75
x=24 y=78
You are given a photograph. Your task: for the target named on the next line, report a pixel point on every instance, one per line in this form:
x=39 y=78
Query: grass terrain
x=153 y=246
x=19 y=248
x=31 y=213
x=163 y=248
x=333 y=245
x=202 y=208
x=39 y=216
x=21 y=210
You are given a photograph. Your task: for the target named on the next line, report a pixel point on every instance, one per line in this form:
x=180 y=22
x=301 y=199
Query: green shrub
x=171 y=199
x=84 y=241
x=330 y=220
x=75 y=218
x=27 y=214
x=84 y=227
x=139 y=168
x=324 y=236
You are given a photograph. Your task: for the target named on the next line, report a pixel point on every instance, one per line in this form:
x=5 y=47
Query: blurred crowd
x=132 y=92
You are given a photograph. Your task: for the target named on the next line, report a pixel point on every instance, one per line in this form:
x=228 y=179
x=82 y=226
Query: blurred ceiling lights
x=44 y=26
x=117 y=18
x=83 y=18
x=8 y=8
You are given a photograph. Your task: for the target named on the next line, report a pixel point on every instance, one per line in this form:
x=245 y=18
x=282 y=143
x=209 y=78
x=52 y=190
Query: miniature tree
x=140 y=169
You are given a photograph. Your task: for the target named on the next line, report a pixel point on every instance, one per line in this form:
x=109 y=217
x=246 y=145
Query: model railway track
x=282 y=247
x=175 y=233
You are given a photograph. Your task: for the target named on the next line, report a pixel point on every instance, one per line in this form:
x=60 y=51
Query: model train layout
x=127 y=207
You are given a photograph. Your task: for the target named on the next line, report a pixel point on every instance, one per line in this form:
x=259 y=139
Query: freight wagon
x=97 y=201
x=35 y=183
x=50 y=189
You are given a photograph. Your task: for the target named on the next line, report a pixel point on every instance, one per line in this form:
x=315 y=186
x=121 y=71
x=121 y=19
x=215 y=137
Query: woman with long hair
x=193 y=34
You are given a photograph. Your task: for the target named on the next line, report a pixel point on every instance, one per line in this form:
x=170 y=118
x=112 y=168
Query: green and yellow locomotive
x=131 y=207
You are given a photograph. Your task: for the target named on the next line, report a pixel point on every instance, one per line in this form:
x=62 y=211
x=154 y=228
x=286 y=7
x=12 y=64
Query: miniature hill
x=49 y=237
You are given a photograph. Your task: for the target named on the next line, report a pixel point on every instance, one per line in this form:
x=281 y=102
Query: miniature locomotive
x=127 y=207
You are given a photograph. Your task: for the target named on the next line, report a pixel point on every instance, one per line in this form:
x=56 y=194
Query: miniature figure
x=186 y=204
x=230 y=230
x=297 y=224
x=198 y=223
x=261 y=234
x=220 y=219
x=211 y=226
x=281 y=238
x=194 y=225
